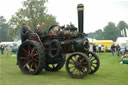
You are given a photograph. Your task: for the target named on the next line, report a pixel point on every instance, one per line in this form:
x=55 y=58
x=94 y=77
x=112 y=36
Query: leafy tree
x=99 y=34
x=111 y=32
x=122 y=25
x=3 y=29
x=91 y=35
x=34 y=12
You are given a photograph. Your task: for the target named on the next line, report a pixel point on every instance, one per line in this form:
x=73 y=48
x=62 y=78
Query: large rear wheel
x=31 y=57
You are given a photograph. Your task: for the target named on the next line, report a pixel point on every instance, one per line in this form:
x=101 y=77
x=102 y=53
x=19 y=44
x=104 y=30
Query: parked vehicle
x=108 y=48
x=100 y=48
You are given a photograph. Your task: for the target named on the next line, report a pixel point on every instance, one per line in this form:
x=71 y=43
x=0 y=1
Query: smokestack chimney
x=80 y=8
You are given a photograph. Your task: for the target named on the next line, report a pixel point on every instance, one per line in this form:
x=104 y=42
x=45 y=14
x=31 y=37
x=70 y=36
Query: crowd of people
x=115 y=49
x=3 y=48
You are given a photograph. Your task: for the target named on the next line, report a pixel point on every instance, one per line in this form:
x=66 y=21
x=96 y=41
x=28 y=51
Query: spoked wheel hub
x=77 y=65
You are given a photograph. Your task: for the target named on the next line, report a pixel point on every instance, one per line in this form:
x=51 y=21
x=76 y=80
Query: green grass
x=111 y=72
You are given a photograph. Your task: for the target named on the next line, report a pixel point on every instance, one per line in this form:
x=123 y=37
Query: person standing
x=24 y=30
x=8 y=50
x=113 y=49
x=118 y=50
x=2 y=50
x=94 y=48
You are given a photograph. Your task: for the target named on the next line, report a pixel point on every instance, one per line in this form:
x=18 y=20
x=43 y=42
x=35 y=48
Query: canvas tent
x=104 y=42
x=121 y=41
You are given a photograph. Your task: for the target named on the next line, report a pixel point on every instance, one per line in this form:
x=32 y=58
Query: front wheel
x=78 y=65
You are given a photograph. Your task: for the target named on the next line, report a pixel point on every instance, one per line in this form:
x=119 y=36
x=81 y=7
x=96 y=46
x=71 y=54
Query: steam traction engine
x=49 y=52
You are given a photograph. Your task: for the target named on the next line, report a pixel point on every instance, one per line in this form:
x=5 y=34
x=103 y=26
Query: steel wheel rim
x=78 y=66
x=29 y=59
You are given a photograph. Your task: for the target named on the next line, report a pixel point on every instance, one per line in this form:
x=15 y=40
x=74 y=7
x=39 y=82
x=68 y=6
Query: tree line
x=110 y=32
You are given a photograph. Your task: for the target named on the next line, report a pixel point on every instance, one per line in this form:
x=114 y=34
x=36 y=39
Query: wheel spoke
x=36 y=60
x=23 y=57
x=83 y=66
x=82 y=60
x=25 y=51
x=72 y=60
x=75 y=57
x=93 y=66
x=90 y=57
x=26 y=63
x=53 y=65
x=36 y=54
x=73 y=70
x=93 y=60
x=32 y=50
x=94 y=63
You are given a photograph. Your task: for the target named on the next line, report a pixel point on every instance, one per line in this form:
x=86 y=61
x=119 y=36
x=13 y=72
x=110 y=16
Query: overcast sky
x=97 y=13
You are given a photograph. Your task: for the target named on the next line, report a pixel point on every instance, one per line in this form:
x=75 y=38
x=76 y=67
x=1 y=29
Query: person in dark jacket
x=113 y=49
x=2 y=49
x=118 y=50
x=94 y=48
x=37 y=30
x=24 y=30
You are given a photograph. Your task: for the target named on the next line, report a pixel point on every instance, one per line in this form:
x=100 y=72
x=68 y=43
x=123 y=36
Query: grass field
x=111 y=72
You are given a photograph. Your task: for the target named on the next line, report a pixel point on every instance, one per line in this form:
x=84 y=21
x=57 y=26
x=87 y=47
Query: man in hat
x=39 y=32
x=24 y=30
x=37 y=29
